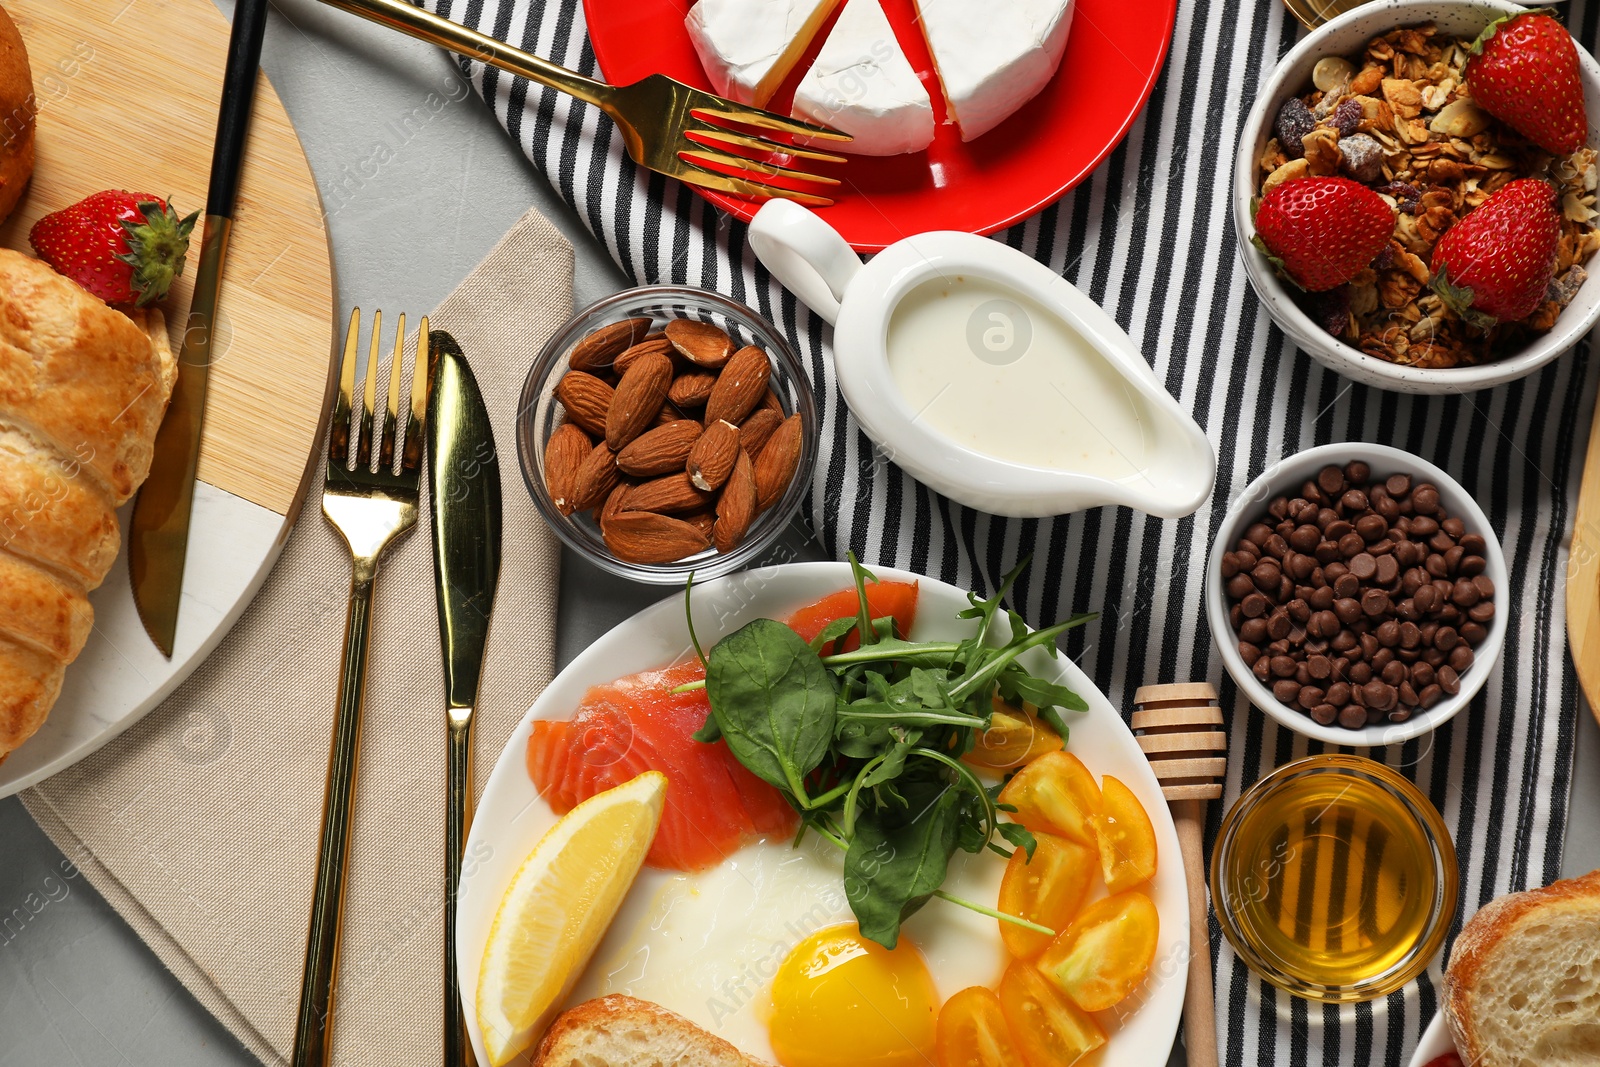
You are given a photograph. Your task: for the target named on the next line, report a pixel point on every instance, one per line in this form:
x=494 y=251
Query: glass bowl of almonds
x=1381 y=101
x=667 y=430
x=1357 y=594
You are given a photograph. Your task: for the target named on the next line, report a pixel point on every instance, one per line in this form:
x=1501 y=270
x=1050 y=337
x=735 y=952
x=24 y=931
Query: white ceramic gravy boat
x=1176 y=467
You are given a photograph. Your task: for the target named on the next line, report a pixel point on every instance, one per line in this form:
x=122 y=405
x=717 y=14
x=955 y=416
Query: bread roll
x=82 y=389
x=17 y=112
x=618 y=1031
x=1523 y=985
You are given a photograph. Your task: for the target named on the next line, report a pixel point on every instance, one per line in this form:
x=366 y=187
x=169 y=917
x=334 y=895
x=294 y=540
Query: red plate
x=1114 y=54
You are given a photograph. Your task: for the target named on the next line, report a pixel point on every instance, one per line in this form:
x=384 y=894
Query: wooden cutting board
x=128 y=93
x=1583 y=575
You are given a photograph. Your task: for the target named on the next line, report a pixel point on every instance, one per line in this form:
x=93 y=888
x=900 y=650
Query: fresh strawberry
x=1494 y=264
x=123 y=247
x=1322 y=231
x=1524 y=72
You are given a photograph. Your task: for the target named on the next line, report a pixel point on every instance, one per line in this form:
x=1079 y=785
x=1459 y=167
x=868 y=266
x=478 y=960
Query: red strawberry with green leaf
x=123 y=247
x=1524 y=72
x=1322 y=231
x=1495 y=264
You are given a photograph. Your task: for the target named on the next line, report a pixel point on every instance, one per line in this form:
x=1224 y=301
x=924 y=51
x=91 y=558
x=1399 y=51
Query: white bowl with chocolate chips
x=1433 y=155
x=1356 y=594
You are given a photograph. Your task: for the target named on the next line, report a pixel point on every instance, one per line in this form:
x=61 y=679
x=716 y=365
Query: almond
x=739 y=387
x=770 y=402
x=700 y=342
x=596 y=351
x=587 y=399
x=646 y=537
x=564 y=453
x=659 y=451
x=692 y=389
x=669 y=412
x=645 y=347
x=736 y=508
x=596 y=477
x=613 y=504
x=756 y=430
x=712 y=457
x=638 y=397
x=778 y=461
x=704 y=520
x=668 y=494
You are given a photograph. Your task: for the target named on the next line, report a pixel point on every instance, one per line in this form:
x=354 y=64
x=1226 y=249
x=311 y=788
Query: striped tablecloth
x=1149 y=237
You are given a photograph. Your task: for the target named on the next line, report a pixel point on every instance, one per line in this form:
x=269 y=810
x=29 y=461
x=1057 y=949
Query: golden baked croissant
x=82 y=389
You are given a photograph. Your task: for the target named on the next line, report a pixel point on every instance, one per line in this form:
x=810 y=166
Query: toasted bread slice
x=1523 y=985
x=618 y=1031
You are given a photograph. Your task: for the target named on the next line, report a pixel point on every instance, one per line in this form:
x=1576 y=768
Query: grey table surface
x=76 y=985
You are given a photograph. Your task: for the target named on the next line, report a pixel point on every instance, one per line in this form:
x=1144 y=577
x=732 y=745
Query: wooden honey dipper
x=1180 y=730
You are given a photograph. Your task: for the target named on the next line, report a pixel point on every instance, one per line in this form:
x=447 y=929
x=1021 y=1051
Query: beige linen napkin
x=200 y=823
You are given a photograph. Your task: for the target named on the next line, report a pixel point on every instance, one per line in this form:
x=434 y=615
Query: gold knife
x=158 y=535
x=464 y=497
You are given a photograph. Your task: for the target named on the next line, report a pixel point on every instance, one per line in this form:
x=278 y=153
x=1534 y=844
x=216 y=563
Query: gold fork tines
x=372 y=501
x=659 y=119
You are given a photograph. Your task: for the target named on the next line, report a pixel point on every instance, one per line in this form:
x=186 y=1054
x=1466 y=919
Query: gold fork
x=370 y=497
x=665 y=124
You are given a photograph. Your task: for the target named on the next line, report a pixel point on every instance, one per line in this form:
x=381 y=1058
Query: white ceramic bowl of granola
x=1347 y=35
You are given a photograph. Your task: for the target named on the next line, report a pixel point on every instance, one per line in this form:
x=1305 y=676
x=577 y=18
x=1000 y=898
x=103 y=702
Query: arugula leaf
x=774 y=701
x=892 y=868
x=1020 y=836
x=1018 y=686
x=833 y=632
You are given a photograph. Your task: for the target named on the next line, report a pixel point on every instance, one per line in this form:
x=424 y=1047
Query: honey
x=1334 y=878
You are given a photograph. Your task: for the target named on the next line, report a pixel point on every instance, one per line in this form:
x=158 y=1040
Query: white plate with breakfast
x=79 y=668
x=731 y=928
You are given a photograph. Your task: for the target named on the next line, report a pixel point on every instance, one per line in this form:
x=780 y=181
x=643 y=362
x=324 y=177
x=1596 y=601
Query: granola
x=1403 y=122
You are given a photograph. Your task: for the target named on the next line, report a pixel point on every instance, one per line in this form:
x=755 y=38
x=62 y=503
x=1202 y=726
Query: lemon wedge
x=558 y=907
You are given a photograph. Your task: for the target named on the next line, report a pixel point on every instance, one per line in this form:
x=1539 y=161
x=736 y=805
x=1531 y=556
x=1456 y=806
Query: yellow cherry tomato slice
x=973 y=1031
x=1055 y=794
x=1049 y=1029
x=1016 y=735
x=1106 y=951
x=1127 y=840
x=1048 y=889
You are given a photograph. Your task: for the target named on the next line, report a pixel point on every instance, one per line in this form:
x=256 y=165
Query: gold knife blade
x=158 y=534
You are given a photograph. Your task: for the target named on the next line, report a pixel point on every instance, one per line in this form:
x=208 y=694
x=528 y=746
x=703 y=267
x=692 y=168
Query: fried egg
x=761 y=948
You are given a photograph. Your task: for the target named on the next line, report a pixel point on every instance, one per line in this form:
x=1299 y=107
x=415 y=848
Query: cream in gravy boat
x=988 y=376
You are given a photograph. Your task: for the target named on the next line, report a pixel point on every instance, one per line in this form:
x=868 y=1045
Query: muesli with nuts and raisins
x=1404 y=124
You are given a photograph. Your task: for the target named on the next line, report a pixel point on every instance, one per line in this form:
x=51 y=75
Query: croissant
x=82 y=389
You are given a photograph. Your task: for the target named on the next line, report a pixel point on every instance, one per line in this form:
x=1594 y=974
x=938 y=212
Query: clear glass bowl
x=540 y=413
x=1334 y=878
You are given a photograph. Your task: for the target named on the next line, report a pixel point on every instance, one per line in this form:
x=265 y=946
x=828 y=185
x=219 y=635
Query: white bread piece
x=1523 y=985
x=618 y=1031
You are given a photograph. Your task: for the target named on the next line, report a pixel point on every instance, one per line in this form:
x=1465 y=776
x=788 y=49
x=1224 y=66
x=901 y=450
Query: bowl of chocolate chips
x=1353 y=592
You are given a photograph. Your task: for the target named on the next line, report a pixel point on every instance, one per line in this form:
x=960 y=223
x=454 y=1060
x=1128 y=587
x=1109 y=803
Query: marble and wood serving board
x=128 y=92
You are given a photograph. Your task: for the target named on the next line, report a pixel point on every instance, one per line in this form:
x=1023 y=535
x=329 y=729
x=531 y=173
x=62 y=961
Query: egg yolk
x=840 y=1000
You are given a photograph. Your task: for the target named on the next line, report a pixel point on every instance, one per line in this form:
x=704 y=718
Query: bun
x=83 y=388
x=18 y=110
x=1523 y=985
x=618 y=1031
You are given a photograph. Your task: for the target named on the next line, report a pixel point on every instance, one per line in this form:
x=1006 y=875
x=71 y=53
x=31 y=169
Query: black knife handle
x=238 y=98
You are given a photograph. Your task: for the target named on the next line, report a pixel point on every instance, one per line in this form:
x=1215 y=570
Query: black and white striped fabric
x=1149 y=238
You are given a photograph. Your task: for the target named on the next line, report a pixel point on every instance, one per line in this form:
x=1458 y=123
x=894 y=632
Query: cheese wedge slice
x=863 y=84
x=993 y=56
x=749 y=46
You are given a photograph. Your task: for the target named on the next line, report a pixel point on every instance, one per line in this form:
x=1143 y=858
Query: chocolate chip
x=1445 y=638
x=1278 y=625
x=1363 y=565
x=1449 y=680
x=1482 y=611
x=1425 y=498
x=1331 y=480
x=1324 y=714
x=1465 y=594
x=1430 y=696
x=1309 y=697
x=1254 y=605
x=1354 y=501
x=1371 y=528
x=1266 y=575
x=1461 y=658
x=1352 y=717
x=1398 y=485
x=1284 y=690
x=1374 y=602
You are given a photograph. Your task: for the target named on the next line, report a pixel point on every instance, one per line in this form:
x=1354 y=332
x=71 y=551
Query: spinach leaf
x=893 y=867
x=774 y=701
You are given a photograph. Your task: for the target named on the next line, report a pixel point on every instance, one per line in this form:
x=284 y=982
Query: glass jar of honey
x=1334 y=879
